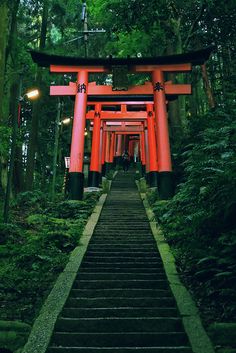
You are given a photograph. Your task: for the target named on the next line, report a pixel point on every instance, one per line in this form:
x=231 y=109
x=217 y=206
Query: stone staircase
x=121 y=301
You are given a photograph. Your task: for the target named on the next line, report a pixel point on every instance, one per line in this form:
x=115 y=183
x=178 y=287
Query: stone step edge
x=122 y=348
x=158 y=318
x=194 y=329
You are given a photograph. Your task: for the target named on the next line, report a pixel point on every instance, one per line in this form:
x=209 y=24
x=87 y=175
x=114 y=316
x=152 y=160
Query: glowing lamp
x=66 y=121
x=32 y=94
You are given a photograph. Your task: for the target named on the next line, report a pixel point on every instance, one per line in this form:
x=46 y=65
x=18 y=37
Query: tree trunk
x=33 y=139
x=4 y=11
x=211 y=100
x=3 y=43
x=174 y=113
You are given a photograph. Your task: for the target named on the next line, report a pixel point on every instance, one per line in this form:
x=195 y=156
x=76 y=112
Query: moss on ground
x=34 y=249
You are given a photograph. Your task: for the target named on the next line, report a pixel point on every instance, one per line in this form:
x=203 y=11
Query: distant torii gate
x=156 y=92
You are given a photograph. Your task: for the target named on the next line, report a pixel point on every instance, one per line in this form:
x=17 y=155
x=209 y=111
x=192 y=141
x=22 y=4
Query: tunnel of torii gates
x=121 y=117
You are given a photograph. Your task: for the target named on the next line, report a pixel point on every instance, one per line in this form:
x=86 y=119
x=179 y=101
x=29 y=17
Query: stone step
x=121 y=284
x=121 y=339
x=121 y=300
x=121 y=264
x=115 y=231
x=121 y=221
x=125 y=217
x=180 y=349
x=116 y=301
x=120 y=293
x=94 y=267
x=122 y=246
x=116 y=325
x=122 y=241
x=113 y=238
x=119 y=312
x=119 y=276
x=124 y=259
x=123 y=254
x=122 y=228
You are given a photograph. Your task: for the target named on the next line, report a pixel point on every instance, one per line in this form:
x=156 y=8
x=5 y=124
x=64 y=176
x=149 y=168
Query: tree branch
x=194 y=24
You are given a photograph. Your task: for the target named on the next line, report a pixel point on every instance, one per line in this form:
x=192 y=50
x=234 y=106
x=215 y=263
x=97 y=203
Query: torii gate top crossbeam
x=105 y=64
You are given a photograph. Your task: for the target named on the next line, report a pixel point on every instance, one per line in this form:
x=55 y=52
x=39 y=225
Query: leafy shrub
x=74 y=209
x=63 y=241
x=35 y=250
x=33 y=199
x=9 y=231
x=199 y=222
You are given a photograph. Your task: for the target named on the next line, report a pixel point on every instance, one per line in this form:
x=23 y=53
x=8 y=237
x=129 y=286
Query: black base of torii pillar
x=165 y=185
x=94 y=179
x=76 y=186
x=152 y=179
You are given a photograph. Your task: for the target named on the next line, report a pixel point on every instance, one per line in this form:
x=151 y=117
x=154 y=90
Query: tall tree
x=33 y=139
x=4 y=27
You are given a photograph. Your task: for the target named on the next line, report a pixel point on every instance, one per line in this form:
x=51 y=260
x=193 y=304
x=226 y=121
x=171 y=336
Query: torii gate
x=125 y=122
x=157 y=92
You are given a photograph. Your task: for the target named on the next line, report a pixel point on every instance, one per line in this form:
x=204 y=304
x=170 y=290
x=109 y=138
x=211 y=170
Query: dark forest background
x=199 y=222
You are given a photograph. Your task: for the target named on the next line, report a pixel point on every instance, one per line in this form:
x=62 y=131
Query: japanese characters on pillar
x=162 y=135
x=76 y=176
x=162 y=130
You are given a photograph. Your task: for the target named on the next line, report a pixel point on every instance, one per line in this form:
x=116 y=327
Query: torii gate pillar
x=142 y=152
x=103 y=159
x=152 y=148
x=119 y=149
x=94 y=173
x=162 y=133
x=76 y=176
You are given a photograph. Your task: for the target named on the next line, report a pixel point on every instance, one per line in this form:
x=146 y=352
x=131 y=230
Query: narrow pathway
x=121 y=300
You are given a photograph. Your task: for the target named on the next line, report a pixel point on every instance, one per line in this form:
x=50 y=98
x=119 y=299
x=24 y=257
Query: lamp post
x=15 y=124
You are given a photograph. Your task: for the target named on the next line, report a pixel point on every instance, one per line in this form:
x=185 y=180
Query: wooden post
x=112 y=147
x=104 y=143
x=146 y=150
x=142 y=152
x=76 y=176
x=162 y=133
x=152 y=148
x=94 y=173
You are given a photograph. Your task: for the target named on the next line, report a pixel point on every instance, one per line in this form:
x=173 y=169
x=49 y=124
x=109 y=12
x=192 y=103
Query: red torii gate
x=157 y=91
x=133 y=124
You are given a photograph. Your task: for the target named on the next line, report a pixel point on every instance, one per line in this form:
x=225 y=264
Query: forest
x=38 y=225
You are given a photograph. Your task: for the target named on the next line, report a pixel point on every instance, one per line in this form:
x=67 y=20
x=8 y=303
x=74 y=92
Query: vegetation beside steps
x=33 y=251
x=199 y=222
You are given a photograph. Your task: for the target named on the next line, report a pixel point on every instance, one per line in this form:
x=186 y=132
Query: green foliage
x=13 y=334
x=9 y=231
x=31 y=199
x=152 y=196
x=4 y=138
x=199 y=222
x=110 y=174
x=35 y=250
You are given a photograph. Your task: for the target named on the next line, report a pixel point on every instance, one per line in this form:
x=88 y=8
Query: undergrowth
x=34 y=249
x=199 y=222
